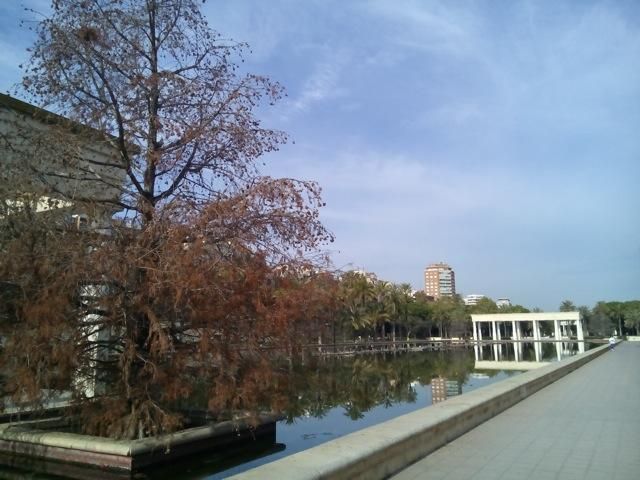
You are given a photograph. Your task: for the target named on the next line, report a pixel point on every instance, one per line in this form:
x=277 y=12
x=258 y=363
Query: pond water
x=331 y=396
x=334 y=396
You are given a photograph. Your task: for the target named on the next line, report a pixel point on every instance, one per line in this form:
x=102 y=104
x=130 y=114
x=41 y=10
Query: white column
x=556 y=330
x=579 y=331
x=493 y=331
x=516 y=351
x=479 y=331
x=536 y=330
x=475 y=335
x=537 y=347
x=513 y=330
x=498 y=331
x=519 y=330
x=559 y=350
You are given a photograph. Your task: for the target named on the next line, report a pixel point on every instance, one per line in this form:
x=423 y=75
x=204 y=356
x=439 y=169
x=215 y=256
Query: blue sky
x=498 y=136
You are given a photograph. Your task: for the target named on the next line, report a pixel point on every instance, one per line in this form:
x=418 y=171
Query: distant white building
x=503 y=302
x=473 y=299
x=369 y=276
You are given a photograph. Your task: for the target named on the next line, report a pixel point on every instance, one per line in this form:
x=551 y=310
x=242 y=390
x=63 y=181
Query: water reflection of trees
x=358 y=384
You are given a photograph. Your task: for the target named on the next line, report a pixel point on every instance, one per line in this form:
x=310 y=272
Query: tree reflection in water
x=320 y=393
x=360 y=383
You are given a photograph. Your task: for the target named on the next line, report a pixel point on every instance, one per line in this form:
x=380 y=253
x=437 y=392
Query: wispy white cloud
x=432 y=26
x=15 y=37
x=498 y=137
x=392 y=213
x=9 y=61
x=323 y=83
x=452 y=115
x=260 y=24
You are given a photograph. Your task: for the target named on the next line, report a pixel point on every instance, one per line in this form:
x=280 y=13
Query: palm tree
x=356 y=292
x=616 y=312
x=403 y=296
x=632 y=316
x=567 y=306
x=381 y=305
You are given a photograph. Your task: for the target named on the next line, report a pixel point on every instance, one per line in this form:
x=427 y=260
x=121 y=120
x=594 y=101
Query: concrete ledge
x=508 y=365
x=382 y=450
x=58 y=452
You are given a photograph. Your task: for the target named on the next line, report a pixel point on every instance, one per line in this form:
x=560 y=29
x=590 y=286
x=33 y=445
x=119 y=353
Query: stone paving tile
x=569 y=475
x=584 y=426
x=455 y=473
x=600 y=475
x=542 y=475
x=516 y=472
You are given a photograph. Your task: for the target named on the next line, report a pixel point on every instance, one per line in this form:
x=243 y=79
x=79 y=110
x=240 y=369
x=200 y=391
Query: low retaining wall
x=382 y=450
x=38 y=446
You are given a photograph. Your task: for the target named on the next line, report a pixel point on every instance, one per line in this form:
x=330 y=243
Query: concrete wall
x=379 y=451
x=74 y=163
x=44 y=446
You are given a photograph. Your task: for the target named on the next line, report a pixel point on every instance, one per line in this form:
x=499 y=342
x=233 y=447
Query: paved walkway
x=584 y=426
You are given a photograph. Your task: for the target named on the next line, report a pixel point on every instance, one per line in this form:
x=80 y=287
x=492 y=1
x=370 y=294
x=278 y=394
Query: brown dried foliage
x=190 y=304
x=208 y=279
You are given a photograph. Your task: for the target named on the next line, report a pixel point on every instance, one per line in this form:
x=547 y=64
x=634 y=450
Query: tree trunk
x=620 y=325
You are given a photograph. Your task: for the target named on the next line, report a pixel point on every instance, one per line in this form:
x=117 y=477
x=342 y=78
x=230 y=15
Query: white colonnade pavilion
x=500 y=324
x=498 y=327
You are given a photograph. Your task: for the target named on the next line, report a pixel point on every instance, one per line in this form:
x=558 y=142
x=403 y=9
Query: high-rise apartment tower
x=439 y=280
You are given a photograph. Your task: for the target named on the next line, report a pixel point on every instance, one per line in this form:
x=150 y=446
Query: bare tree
x=194 y=282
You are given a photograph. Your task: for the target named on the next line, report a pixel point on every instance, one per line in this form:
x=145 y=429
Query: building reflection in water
x=442 y=388
x=522 y=355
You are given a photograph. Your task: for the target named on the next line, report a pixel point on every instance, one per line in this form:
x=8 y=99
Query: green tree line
x=369 y=307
